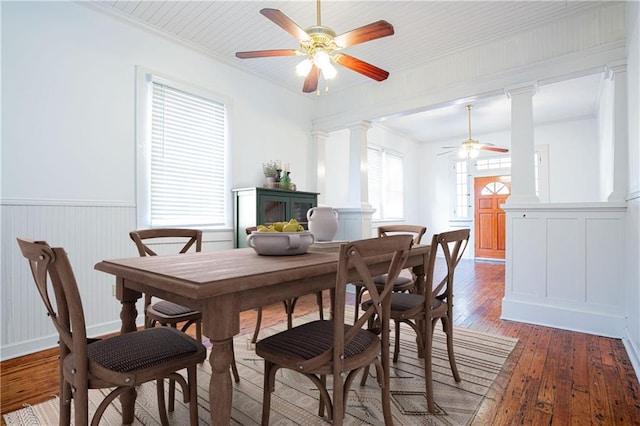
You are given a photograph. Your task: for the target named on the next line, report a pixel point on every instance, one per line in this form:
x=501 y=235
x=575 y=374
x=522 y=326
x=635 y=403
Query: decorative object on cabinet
x=263 y=206
x=323 y=223
x=270 y=170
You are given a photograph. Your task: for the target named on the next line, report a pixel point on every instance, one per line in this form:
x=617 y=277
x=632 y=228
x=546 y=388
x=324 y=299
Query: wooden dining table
x=221 y=284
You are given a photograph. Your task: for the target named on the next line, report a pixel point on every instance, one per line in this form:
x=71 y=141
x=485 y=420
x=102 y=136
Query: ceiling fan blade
x=362 y=67
x=447 y=152
x=369 y=32
x=267 y=53
x=493 y=148
x=311 y=82
x=285 y=23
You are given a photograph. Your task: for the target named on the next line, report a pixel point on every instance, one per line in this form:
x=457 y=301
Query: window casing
x=386 y=188
x=182 y=155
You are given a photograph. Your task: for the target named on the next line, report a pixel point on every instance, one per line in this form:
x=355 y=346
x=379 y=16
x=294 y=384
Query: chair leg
x=199 y=331
x=234 y=367
x=428 y=368
x=81 y=404
x=320 y=304
x=162 y=408
x=289 y=306
x=192 y=376
x=448 y=329
x=267 y=390
x=396 y=344
x=65 y=402
x=254 y=339
x=356 y=308
x=323 y=380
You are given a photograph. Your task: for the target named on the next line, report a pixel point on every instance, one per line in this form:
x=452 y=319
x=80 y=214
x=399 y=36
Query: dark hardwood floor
x=553 y=377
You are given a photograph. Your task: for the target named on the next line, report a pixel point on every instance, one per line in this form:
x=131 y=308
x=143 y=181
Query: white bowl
x=280 y=243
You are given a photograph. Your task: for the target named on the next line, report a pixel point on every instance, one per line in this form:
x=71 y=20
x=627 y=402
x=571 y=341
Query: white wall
x=68 y=80
x=573 y=160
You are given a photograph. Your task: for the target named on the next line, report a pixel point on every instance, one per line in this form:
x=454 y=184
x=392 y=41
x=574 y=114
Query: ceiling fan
x=471 y=147
x=321 y=46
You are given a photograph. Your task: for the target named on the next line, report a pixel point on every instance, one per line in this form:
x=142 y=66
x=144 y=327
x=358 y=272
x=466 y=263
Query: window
x=503 y=162
x=386 y=175
x=182 y=155
x=462 y=202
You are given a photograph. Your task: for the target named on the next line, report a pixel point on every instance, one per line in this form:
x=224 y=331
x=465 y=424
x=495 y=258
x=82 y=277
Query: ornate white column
x=523 y=183
x=319 y=164
x=620 y=167
x=358 y=166
x=355 y=220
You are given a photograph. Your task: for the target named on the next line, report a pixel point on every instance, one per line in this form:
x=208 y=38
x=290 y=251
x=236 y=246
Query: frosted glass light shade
x=303 y=68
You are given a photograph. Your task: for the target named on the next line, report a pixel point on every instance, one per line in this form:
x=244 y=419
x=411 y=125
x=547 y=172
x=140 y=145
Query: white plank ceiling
x=424 y=30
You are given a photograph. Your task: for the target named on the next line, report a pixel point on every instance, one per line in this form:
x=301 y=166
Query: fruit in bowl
x=279 y=239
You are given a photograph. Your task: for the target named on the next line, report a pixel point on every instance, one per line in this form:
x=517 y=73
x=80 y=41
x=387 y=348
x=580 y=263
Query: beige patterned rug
x=479 y=356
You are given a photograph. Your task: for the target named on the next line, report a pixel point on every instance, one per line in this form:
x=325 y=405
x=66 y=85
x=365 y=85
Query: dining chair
x=407 y=279
x=289 y=304
x=422 y=310
x=120 y=362
x=164 y=312
x=331 y=347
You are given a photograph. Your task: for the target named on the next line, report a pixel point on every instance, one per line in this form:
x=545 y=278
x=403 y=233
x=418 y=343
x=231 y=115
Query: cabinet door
x=299 y=208
x=272 y=209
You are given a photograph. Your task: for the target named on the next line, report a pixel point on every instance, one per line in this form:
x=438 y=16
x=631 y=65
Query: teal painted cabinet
x=255 y=206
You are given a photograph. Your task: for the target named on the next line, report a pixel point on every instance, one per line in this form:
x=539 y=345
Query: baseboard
x=51 y=341
x=590 y=322
x=633 y=352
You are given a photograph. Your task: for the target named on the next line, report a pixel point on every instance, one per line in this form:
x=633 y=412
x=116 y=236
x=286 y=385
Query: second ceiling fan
x=471 y=148
x=321 y=46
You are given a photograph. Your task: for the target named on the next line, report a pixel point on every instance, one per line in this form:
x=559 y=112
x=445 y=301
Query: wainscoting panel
x=564 y=266
x=89 y=234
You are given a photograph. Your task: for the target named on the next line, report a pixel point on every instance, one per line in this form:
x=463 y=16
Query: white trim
x=65 y=203
x=51 y=341
x=633 y=352
x=606 y=324
x=569 y=207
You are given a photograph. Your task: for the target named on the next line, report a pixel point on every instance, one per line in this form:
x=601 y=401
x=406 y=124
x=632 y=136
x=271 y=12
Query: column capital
x=618 y=67
x=319 y=134
x=360 y=125
x=530 y=87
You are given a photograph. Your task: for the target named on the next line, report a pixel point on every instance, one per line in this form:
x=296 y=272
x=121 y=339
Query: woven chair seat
x=406 y=305
x=400 y=281
x=131 y=352
x=171 y=309
x=312 y=339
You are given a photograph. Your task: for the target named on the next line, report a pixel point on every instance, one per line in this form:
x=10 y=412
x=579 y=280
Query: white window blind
x=386 y=189
x=187 y=159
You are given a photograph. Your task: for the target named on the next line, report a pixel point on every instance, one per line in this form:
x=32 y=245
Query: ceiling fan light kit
x=471 y=148
x=320 y=45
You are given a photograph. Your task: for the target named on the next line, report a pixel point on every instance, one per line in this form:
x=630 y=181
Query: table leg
x=220 y=389
x=421 y=284
x=221 y=321
x=128 y=316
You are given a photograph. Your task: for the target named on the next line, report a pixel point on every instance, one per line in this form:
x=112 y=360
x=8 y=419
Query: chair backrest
x=452 y=244
x=58 y=289
x=417 y=231
x=356 y=256
x=140 y=236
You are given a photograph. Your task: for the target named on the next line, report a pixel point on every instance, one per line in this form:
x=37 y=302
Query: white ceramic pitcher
x=323 y=223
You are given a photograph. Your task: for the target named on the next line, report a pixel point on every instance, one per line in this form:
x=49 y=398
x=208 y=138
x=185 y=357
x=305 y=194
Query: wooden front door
x=490 y=219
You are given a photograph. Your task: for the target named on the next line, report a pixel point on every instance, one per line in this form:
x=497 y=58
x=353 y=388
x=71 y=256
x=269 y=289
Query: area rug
x=479 y=357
